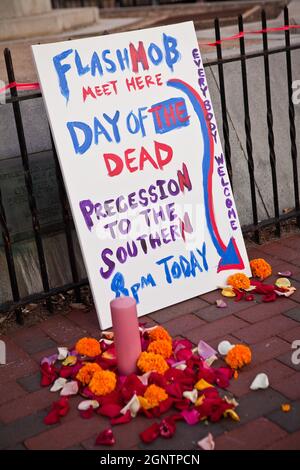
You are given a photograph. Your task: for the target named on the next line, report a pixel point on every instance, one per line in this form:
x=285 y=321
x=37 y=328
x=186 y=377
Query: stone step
x=54 y=22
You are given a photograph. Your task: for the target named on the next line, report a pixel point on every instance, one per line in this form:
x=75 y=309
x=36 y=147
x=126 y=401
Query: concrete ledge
x=54 y=22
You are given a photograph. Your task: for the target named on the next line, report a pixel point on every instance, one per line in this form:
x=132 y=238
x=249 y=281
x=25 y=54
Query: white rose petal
x=58 y=384
x=224 y=347
x=62 y=353
x=86 y=404
x=133 y=406
x=261 y=381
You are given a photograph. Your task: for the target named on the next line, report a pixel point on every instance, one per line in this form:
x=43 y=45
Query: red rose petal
x=87 y=414
x=167 y=428
x=123 y=419
x=151 y=433
x=111 y=410
x=105 y=438
x=52 y=417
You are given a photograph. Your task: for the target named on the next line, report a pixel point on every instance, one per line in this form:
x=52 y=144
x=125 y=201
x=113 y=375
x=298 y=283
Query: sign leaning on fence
x=143 y=166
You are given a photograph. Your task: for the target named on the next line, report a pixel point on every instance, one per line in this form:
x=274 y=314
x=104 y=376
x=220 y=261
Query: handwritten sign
x=143 y=165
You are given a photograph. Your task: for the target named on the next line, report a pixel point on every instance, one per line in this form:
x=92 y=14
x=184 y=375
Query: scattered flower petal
x=228 y=292
x=220 y=303
x=285 y=273
x=105 y=438
x=87 y=414
x=210 y=360
x=224 y=347
x=191 y=417
x=133 y=406
x=86 y=404
x=261 y=381
x=123 y=419
x=58 y=384
x=283 y=282
x=150 y=434
x=70 y=388
x=70 y=361
x=207 y=443
x=167 y=428
x=286 y=407
x=232 y=414
x=62 y=353
x=191 y=395
x=205 y=350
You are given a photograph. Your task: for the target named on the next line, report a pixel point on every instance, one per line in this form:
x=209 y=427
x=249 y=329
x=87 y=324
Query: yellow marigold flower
x=286 y=407
x=88 y=347
x=162 y=347
x=238 y=356
x=154 y=395
x=85 y=374
x=239 y=281
x=103 y=382
x=260 y=268
x=150 y=362
x=159 y=333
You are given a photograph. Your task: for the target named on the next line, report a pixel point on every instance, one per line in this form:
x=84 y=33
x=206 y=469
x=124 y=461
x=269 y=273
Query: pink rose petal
x=207 y=443
x=220 y=303
x=205 y=350
x=190 y=416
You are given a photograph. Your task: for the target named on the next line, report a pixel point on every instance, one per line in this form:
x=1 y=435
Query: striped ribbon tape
x=36 y=85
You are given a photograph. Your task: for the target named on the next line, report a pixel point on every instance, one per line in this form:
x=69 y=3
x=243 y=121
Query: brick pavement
x=268 y=328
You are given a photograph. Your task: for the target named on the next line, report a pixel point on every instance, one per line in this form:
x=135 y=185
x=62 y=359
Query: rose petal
x=144 y=378
x=111 y=410
x=191 y=416
x=52 y=417
x=261 y=381
x=62 y=353
x=126 y=418
x=58 y=384
x=87 y=414
x=70 y=361
x=220 y=303
x=210 y=360
x=205 y=350
x=105 y=438
x=285 y=273
x=70 y=388
x=207 y=443
x=133 y=406
x=167 y=428
x=191 y=395
x=224 y=347
x=150 y=434
x=85 y=405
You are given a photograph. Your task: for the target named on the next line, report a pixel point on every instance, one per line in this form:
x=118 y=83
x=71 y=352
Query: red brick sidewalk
x=268 y=328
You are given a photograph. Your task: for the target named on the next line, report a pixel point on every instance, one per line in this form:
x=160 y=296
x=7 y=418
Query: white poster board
x=143 y=166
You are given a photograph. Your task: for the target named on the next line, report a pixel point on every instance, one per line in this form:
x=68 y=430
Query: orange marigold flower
x=150 y=362
x=260 y=268
x=162 y=347
x=286 y=407
x=238 y=356
x=103 y=382
x=154 y=395
x=239 y=281
x=88 y=347
x=85 y=374
x=159 y=333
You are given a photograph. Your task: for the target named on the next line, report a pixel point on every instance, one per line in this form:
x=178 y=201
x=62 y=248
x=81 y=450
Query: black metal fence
x=255 y=228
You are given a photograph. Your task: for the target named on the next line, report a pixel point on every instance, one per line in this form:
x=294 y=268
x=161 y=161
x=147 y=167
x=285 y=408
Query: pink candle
x=126 y=333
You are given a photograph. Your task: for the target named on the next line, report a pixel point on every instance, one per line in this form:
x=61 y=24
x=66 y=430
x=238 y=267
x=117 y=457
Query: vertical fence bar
x=10 y=261
x=27 y=176
x=294 y=153
x=272 y=154
x=67 y=221
x=223 y=101
x=249 y=146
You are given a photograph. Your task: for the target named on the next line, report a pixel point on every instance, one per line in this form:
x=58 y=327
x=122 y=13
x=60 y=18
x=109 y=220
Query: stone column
x=20 y=8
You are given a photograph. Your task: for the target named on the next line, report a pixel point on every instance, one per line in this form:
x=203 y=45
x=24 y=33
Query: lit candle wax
x=126 y=333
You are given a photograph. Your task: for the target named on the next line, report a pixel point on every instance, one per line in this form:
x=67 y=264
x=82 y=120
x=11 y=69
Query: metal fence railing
x=255 y=227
